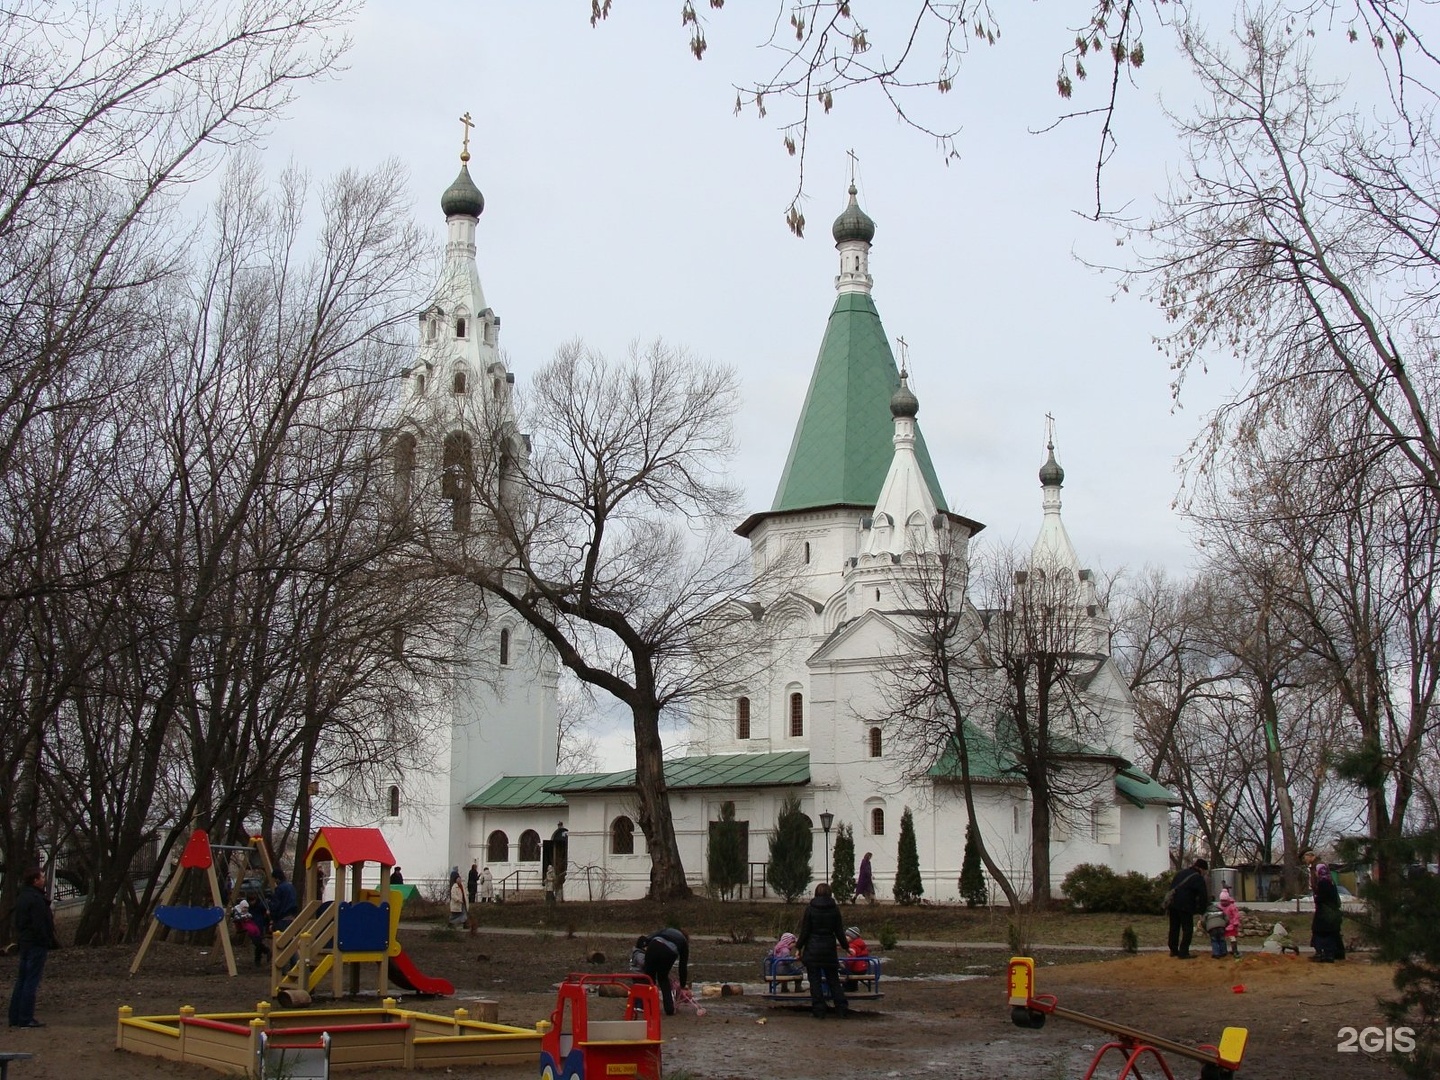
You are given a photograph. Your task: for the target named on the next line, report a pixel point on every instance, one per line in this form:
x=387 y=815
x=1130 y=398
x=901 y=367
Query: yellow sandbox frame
x=359 y=1038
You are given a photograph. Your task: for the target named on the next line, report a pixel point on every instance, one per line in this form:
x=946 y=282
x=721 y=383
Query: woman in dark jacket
x=820 y=941
x=1325 y=926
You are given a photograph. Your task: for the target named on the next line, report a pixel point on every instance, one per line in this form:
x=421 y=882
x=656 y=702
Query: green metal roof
x=709 y=771
x=1141 y=789
x=514 y=793
x=988 y=761
x=845 y=438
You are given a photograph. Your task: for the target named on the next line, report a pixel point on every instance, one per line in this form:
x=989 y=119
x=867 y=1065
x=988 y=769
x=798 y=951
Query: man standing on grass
x=34 y=938
x=1189 y=896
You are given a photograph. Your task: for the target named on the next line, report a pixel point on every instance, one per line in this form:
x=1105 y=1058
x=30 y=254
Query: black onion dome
x=1051 y=474
x=904 y=402
x=463 y=197
x=853 y=223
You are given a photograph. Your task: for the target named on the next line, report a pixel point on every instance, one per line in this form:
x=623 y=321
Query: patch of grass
x=950 y=923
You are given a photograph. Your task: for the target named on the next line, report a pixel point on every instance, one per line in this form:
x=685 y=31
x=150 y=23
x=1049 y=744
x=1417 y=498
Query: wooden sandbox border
x=359 y=1038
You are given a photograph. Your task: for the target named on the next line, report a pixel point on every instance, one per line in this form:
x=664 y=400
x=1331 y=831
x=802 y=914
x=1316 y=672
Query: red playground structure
x=1029 y=1009
x=577 y=1046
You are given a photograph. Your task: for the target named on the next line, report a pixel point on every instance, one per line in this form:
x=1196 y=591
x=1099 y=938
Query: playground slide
x=406 y=975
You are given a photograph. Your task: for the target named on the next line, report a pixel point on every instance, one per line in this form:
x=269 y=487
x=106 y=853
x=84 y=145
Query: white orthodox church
x=858 y=507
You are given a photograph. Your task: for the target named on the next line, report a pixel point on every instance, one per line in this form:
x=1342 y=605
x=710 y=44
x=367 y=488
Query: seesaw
x=1028 y=1010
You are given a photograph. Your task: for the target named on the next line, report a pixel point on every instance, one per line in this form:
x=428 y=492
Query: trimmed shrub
x=1098 y=888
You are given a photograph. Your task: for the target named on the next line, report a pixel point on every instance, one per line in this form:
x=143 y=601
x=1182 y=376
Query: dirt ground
x=930 y=1022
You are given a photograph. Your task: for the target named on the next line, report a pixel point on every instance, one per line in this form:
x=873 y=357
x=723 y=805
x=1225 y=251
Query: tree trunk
x=1040 y=845
x=667 y=872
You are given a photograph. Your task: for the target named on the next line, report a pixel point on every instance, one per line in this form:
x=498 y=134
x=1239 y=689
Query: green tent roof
x=845 y=438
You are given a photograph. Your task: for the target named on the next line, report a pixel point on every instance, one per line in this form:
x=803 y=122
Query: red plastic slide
x=406 y=975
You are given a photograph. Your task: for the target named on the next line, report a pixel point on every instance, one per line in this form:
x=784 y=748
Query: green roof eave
x=844 y=441
x=515 y=793
x=786 y=768
x=989 y=762
x=1138 y=787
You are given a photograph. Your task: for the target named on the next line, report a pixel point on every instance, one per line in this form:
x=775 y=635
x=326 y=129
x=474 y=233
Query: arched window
x=877 y=821
x=459 y=383
x=455 y=477
x=419 y=385
x=392 y=798
x=404 y=465
x=622 y=836
x=460 y=328
x=874 y=742
x=797 y=715
x=807 y=551
x=529 y=846
x=505 y=649
x=497 y=847
x=742 y=718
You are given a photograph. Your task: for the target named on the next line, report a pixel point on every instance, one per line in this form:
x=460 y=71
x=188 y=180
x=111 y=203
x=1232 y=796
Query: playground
x=928 y=1024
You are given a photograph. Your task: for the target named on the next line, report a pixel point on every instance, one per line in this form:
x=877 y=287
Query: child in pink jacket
x=1232 y=922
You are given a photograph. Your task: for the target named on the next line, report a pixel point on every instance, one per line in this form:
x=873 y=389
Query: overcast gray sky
x=624 y=200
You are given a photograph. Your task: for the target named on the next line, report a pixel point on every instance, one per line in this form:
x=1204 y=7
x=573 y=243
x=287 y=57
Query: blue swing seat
x=188 y=916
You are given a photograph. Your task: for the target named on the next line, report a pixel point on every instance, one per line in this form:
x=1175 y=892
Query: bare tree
x=576 y=748
x=611 y=543
x=830 y=49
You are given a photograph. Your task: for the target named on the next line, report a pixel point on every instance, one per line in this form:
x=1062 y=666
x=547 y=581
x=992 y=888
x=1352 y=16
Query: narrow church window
x=874 y=742
x=404 y=466
x=455 y=477
x=495 y=389
x=392 y=798
x=497 y=847
x=397 y=642
x=529 y=846
x=807 y=551
x=622 y=836
x=877 y=594
x=1015 y=810
x=459 y=386
x=877 y=821
x=797 y=716
x=504 y=648
x=419 y=385
x=742 y=718
x=1157 y=834
x=460 y=328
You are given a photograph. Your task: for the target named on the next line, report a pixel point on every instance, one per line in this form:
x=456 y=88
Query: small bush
x=1017 y=933
x=1098 y=888
x=1129 y=940
x=889 y=937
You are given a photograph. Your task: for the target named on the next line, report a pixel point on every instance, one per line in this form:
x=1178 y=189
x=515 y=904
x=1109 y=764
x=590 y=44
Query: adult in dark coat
x=1192 y=896
x=284 y=904
x=1325 y=936
x=472 y=880
x=820 y=941
x=34 y=938
x=662 y=949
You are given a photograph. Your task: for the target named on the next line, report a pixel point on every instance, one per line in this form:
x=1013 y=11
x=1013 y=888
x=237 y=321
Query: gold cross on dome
x=465 y=149
x=854 y=160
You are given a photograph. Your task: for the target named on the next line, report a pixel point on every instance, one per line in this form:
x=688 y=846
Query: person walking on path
x=1188 y=897
x=472 y=880
x=458 y=911
x=821 y=940
x=34 y=938
x=865 y=881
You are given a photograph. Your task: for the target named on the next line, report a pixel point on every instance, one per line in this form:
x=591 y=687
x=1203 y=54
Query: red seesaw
x=1028 y=1010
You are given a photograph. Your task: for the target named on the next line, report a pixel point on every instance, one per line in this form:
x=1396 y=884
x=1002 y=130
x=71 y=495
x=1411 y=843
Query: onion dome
x=853 y=223
x=904 y=402
x=1051 y=474
x=462 y=196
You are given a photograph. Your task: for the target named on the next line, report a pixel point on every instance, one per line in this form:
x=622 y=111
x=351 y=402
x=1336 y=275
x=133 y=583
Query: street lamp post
x=826 y=820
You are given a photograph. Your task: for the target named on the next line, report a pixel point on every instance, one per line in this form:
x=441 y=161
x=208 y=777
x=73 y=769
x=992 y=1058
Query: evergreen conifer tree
x=972 y=875
x=842 y=862
x=726 y=863
x=790 y=847
x=908 y=886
